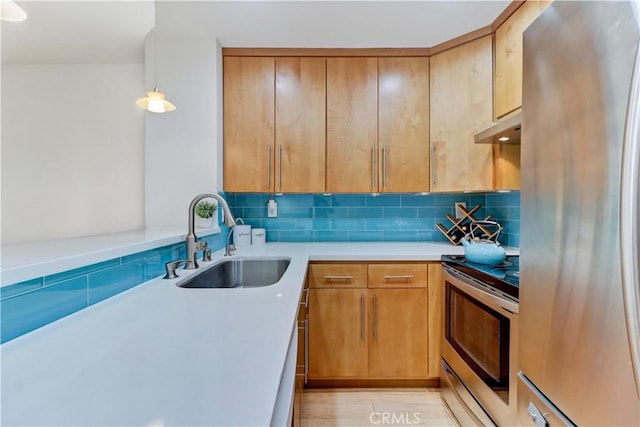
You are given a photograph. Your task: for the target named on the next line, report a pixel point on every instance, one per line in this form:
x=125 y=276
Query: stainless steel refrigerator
x=579 y=297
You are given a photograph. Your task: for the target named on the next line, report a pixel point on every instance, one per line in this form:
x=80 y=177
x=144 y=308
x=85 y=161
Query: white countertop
x=160 y=355
x=30 y=260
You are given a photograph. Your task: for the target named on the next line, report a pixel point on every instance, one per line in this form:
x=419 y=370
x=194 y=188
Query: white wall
x=72 y=150
x=182 y=147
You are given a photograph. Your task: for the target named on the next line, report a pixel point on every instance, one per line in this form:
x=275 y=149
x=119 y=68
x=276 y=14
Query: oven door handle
x=474 y=288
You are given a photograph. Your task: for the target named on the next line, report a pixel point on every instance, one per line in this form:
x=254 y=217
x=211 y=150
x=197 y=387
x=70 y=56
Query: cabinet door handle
x=375 y=316
x=434 y=163
x=279 y=167
x=304 y=301
x=384 y=165
x=373 y=167
x=306 y=348
x=404 y=276
x=362 y=316
x=268 y=166
x=339 y=277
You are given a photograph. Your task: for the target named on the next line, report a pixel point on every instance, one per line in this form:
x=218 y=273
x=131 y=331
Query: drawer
x=338 y=275
x=398 y=275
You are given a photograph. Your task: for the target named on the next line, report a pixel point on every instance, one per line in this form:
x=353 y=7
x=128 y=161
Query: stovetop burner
x=505 y=276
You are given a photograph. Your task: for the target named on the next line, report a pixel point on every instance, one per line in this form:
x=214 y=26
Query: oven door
x=480 y=344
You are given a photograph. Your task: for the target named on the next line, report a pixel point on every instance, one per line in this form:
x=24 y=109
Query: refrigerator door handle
x=629 y=217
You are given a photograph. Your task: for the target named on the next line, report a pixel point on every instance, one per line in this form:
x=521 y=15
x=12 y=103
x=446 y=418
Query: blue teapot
x=483 y=250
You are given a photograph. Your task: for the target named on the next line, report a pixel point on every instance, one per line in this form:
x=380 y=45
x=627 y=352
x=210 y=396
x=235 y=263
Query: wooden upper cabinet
x=508 y=57
x=249 y=123
x=300 y=125
x=506 y=166
x=403 y=124
x=460 y=97
x=352 y=125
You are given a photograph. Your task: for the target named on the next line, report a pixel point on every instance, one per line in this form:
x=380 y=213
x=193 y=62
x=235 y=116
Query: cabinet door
x=352 y=125
x=337 y=333
x=508 y=58
x=300 y=125
x=249 y=124
x=403 y=125
x=506 y=166
x=398 y=333
x=460 y=96
x=435 y=329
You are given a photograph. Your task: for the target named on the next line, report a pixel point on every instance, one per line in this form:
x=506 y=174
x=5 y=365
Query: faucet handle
x=170 y=268
x=206 y=255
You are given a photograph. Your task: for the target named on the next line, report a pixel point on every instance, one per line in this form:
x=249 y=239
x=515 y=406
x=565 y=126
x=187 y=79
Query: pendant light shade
x=155 y=102
x=11 y=12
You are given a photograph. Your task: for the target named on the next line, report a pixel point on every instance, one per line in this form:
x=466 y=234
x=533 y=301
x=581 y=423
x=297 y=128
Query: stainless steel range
x=479 y=345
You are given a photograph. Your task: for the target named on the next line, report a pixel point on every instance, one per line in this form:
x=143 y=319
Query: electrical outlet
x=458 y=205
x=272 y=209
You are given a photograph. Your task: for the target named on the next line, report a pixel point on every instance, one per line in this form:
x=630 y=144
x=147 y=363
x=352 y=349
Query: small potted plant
x=206 y=211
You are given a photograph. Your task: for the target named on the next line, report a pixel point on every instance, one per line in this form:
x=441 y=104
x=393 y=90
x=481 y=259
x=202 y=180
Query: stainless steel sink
x=242 y=272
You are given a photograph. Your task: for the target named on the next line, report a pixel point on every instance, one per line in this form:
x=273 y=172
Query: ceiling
x=113 y=31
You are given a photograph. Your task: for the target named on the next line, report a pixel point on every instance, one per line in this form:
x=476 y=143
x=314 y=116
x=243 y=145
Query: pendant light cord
x=155 y=45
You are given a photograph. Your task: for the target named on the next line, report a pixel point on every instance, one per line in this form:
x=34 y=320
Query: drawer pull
x=405 y=276
x=339 y=277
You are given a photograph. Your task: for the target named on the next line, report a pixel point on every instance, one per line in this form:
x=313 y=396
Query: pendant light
x=155 y=101
x=11 y=12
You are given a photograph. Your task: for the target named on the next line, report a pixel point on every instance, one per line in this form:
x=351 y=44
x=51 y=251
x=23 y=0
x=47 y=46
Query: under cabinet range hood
x=505 y=131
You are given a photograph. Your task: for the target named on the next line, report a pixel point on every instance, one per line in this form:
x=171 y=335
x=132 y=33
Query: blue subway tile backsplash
x=31 y=304
x=21 y=288
x=34 y=303
x=26 y=312
x=82 y=271
x=364 y=217
x=505 y=209
x=107 y=283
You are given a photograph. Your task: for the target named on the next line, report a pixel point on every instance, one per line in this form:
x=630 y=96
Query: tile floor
x=372 y=407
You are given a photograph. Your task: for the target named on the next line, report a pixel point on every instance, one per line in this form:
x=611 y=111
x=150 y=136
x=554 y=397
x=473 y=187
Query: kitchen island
x=159 y=354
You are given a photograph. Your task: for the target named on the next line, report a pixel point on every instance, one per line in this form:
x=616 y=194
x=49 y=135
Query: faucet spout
x=192 y=244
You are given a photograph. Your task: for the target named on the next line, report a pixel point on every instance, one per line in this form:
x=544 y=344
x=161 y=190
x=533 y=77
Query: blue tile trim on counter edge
x=31 y=304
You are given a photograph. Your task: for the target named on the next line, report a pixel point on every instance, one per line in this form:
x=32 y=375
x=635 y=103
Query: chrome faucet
x=193 y=246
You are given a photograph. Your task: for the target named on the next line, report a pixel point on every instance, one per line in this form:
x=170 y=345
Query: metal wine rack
x=461 y=226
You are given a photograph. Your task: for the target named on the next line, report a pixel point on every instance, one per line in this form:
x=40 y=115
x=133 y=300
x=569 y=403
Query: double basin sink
x=242 y=272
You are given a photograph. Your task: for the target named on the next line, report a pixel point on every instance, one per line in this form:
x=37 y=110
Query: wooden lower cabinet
x=337 y=335
x=301 y=359
x=398 y=333
x=435 y=290
x=380 y=332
